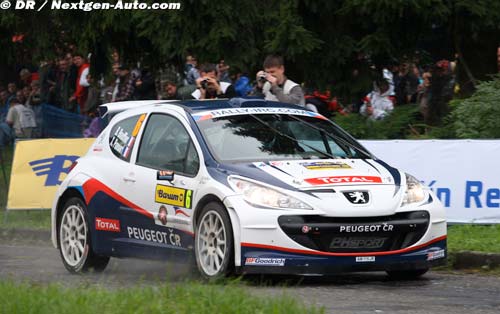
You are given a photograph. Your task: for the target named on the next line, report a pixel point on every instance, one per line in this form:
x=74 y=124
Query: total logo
x=105 y=224
x=343 y=179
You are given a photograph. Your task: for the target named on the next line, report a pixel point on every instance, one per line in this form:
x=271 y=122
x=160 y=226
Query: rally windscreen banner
x=39 y=166
x=464 y=174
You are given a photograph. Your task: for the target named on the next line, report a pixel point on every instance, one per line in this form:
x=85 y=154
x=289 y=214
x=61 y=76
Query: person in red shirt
x=80 y=94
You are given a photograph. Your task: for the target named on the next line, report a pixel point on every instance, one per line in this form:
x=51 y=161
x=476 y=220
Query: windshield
x=264 y=137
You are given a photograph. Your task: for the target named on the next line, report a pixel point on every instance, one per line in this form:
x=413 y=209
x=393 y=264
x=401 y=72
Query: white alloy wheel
x=214 y=242
x=73 y=235
x=74 y=239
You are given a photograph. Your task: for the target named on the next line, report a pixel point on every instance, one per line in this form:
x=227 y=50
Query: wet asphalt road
x=436 y=292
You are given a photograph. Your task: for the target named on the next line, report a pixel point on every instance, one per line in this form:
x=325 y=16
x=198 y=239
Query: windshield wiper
x=293 y=139
x=334 y=137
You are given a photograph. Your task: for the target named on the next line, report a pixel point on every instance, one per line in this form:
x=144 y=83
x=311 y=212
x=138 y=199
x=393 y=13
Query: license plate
x=365 y=259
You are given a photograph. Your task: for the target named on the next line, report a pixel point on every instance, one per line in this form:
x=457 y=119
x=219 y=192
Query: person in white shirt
x=21 y=118
x=377 y=104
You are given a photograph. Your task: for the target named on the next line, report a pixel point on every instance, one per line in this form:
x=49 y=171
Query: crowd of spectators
x=67 y=83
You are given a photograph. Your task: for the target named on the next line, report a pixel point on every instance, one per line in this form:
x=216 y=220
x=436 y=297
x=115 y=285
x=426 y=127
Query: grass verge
x=178 y=298
x=25 y=219
x=474 y=238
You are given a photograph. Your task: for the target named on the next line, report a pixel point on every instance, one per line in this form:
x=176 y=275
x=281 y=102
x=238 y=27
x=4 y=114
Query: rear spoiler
x=113 y=108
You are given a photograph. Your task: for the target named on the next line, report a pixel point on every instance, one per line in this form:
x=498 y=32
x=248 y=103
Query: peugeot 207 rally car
x=246 y=186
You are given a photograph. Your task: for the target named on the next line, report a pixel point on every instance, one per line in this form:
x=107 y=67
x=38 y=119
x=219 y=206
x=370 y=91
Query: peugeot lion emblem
x=357 y=197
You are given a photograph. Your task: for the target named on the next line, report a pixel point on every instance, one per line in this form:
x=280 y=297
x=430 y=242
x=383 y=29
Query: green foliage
x=319 y=38
x=179 y=298
x=479 y=115
x=396 y=126
x=25 y=219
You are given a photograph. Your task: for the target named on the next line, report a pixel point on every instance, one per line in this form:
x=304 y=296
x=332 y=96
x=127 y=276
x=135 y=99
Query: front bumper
x=275 y=260
x=265 y=246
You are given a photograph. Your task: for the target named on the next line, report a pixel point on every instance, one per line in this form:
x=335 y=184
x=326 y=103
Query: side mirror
x=165 y=175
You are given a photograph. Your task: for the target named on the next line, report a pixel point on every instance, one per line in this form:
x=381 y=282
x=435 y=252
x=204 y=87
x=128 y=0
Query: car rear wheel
x=214 y=242
x=74 y=239
x=407 y=274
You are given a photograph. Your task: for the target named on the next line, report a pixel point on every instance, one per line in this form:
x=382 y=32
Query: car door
x=163 y=177
x=112 y=202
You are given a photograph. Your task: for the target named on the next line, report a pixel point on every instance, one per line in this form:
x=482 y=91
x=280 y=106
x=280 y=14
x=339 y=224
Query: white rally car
x=244 y=186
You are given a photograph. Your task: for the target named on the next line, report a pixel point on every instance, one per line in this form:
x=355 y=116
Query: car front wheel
x=74 y=239
x=214 y=242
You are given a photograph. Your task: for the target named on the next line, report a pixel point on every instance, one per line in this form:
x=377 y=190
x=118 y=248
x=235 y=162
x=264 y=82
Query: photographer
x=207 y=86
x=273 y=85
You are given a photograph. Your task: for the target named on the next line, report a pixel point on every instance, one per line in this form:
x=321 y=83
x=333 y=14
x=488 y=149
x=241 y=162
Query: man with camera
x=273 y=85
x=207 y=86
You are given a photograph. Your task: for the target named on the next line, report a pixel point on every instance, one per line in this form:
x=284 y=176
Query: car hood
x=310 y=174
x=319 y=173
x=327 y=180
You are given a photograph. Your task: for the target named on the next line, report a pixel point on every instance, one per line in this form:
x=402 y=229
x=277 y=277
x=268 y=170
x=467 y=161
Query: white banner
x=464 y=174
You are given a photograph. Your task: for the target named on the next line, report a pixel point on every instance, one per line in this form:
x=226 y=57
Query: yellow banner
x=39 y=166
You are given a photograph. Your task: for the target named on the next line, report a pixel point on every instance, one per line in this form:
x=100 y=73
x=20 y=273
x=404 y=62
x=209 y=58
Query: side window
x=166 y=145
x=123 y=134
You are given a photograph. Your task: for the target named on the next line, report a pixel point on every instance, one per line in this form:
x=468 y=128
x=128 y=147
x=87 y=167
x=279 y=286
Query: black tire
x=205 y=239
x=407 y=274
x=77 y=258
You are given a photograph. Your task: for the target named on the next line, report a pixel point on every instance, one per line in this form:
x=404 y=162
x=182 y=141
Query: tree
x=322 y=41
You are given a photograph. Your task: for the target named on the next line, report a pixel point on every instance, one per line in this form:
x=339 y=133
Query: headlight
x=260 y=195
x=414 y=191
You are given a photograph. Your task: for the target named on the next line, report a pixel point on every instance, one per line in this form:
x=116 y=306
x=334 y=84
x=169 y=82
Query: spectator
x=208 y=87
x=26 y=93
x=12 y=89
x=170 y=90
x=21 y=118
x=34 y=101
x=33 y=97
x=63 y=88
x=387 y=73
x=145 y=86
x=93 y=100
x=414 y=81
x=274 y=85
x=115 y=56
x=25 y=77
x=498 y=59
x=377 y=104
x=190 y=70
x=4 y=106
x=223 y=72
x=80 y=95
x=47 y=81
x=242 y=85
x=126 y=85
x=424 y=96
x=408 y=84
x=441 y=92
x=20 y=97
x=116 y=75
x=72 y=69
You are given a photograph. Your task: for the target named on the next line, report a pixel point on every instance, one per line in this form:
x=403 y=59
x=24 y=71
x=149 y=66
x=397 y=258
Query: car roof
x=194 y=106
